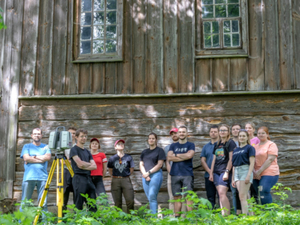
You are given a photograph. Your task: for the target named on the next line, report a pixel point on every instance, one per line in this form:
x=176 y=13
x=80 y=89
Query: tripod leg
x=69 y=167
x=60 y=188
x=45 y=192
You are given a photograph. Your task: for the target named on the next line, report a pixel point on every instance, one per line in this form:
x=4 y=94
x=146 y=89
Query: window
x=98 y=32
x=222 y=29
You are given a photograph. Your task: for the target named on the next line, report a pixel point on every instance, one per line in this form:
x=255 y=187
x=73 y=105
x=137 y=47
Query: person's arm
x=211 y=176
x=143 y=170
x=82 y=164
x=186 y=156
x=131 y=170
x=110 y=170
x=252 y=161
x=44 y=158
x=204 y=164
x=232 y=180
x=104 y=168
x=171 y=156
x=157 y=167
x=168 y=166
x=228 y=167
x=32 y=159
x=266 y=164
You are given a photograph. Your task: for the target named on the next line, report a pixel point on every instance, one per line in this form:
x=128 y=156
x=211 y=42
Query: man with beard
x=182 y=178
x=36 y=156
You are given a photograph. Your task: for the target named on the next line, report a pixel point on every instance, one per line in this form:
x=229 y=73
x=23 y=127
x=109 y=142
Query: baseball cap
x=95 y=139
x=173 y=130
x=117 y=141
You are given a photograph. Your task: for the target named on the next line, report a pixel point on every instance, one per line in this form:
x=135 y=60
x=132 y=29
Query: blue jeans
x=27 y=190
x=151 y=189
x=235 y=198
x=267 y=182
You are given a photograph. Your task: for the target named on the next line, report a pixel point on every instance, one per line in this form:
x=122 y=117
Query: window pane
x=85 y=47
x=220 y=1
x=216 y=41
x=215 y=27
x=85 y=33
x=111 y=4
x=98 y=18
x=226 y=26
x=111 y=32
x=207 y=2
x=98 y=46
x=235 y=40
x=111 y=46
x=86 y=18
x=220 y=11
x=235 y=26
x=111 y=17
x=233 y=1
x=208 y=11
x=233 y=10
x=98 y=32
x=227 y=40
x=207 y=27
x=207 y=41
x=86 y=5
x=99 y=5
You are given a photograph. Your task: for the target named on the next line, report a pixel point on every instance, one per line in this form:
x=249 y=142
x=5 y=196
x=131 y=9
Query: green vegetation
x=2 y=26
x=267 y=214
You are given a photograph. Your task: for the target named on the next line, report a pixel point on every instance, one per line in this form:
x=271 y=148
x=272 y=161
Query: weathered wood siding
x=133 y=119
x=159 y=39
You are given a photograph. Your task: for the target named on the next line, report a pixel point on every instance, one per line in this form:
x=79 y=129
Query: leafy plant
x=2 y=25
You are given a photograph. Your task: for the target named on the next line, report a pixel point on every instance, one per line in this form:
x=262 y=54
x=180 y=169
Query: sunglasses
x=120 y=161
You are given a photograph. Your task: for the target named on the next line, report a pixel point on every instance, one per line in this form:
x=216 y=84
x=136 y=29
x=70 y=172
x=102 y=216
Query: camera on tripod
x=60 y=139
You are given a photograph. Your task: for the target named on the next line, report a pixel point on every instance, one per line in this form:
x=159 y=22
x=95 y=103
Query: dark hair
x=37 y=128
x=265 y=129
x=241 y=131
x=236 y=124
x=182 y=127
x=154 y=134
x=214 y=127
x=80 y=130
x=72 y=128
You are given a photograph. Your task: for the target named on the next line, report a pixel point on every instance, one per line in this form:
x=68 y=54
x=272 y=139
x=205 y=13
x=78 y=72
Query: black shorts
x=181 y=184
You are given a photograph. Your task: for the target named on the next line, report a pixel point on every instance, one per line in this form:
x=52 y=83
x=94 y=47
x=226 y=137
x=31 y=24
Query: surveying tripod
x=58 y=162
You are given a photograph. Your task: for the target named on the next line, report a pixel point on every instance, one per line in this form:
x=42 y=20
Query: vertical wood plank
x=85 y=78
x=72 y=73
x=272 y=72
x=154 y=65
x=170 y=47
x=110 y=77
x=29 y=46
x=203 y=79
x=256 y=46
x=125 y=77
x=98 y=78
x=238 y=74
x=296 y=31
x=186 y=32
x=59 y=46
x=44 y=55
x=220 y=74
x=139 y=28
x=2 y=37
x=287 y=76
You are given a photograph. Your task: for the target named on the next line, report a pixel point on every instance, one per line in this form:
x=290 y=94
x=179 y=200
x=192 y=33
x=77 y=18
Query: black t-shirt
x=222 y=155
x=84 y=155
x=120 y=169
x=151 y=157
x=241 y=155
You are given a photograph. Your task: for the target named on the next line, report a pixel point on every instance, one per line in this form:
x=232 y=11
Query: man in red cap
x=120 y=167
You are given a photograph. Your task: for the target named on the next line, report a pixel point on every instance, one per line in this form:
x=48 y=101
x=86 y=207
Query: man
x=206 y=160
x=68 y=187
x=182 y=177
x=235 y=133
x=36 y=156
x=82 y=164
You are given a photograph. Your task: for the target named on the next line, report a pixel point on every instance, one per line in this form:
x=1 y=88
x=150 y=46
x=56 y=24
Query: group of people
x=237 y=163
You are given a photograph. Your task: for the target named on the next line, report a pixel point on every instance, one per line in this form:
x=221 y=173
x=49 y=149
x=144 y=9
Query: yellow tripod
x=59 y=164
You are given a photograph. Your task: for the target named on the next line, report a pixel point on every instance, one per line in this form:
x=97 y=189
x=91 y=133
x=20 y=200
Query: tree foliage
x=2 y=25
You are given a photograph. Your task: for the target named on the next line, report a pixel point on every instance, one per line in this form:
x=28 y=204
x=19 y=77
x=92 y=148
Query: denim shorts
x=181 y=184
x=240 y=173
x=218 y=180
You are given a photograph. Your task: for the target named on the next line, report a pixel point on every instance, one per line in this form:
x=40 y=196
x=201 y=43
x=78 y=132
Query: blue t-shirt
x=207 y=152
x=121 y=167
x=183 y=168
x=35 y=171
x=241 y=155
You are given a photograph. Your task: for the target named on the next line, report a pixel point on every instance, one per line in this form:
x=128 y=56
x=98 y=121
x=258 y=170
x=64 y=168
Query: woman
x=266 y=169
x=101 y=162
x=250 y=128
x=243 y=159
x=121 y=166
x=221 y=166
x=151 y=162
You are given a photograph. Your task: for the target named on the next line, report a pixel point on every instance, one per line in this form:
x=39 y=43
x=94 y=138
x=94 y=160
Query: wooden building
x=125 y=68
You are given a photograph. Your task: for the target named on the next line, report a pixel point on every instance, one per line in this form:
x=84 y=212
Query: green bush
x=201 y=214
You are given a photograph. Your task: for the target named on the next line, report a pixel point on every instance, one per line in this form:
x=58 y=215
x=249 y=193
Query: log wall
x=133 y=119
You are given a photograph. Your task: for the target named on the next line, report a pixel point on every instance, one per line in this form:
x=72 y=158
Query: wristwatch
x=175 y=154
x=227 y=170
x=149 y=172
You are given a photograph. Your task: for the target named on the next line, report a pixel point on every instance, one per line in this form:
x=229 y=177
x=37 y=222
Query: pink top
x=254 y=141
x=261 y=155
x=99 y=159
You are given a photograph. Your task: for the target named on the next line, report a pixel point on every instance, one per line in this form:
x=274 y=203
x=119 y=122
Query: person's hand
x=145 y=175
x=225 y=176
x=211 y=178
x=148 y=179
x=233 y=183
x=247 y=180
